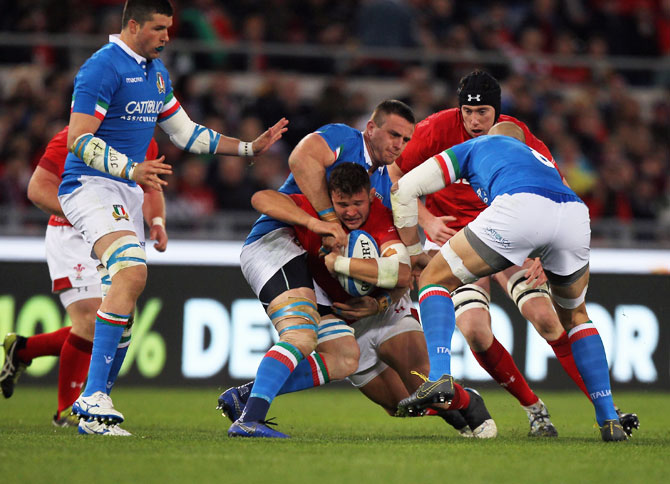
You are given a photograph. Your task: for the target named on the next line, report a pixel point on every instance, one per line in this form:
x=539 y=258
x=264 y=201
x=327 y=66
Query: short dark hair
x=348 y=179
x=480 y=88
x=142 y=10
x=392 y=106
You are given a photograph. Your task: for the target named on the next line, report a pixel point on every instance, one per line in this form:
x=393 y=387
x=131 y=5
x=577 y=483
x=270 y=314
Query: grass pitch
x=338 y=436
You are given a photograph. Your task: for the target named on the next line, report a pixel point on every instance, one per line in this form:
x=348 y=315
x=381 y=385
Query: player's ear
x=372 y=194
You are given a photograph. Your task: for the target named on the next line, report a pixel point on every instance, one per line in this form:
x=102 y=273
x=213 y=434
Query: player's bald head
x=507 y=128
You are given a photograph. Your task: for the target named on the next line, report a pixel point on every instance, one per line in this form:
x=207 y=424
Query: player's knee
x=125 y=255
x=303 y=339
x=474 y=326
x=297 y=322
x=347 y=359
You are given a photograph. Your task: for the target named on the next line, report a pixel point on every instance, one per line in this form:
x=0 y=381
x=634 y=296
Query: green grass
x=337 y=436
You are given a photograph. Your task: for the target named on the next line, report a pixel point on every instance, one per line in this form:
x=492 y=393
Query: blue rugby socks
x=589 y=354
x=275 y=368
x=108 y=330
x=439 y=321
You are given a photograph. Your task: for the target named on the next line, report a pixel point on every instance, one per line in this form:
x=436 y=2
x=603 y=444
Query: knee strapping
x=296 y=321
x=469 y=297
x=105 y=280
x=456 y=264
x=520 y=291
x=333 y=328
x=124 y=252
x=570 y=303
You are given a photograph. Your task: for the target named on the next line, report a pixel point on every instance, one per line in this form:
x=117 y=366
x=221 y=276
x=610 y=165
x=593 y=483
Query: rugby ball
x=360 y=245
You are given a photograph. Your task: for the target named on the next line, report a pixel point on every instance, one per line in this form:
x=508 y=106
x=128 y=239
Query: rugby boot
x=93 y=427
x=232 y=401
x=478 y=417
x=612 y=431
x=98 y=406
x=540 y=423
x=255 y=429
x=453 y=418
x=628 y=421
x=429 y=392
x=12 y=366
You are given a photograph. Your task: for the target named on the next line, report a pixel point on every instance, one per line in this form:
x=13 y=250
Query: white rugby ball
x=360 y=245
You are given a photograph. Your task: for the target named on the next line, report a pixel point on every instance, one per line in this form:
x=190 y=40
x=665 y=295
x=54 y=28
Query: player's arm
x=196 y=138
x=389 y=271
x=426 y=178
x=308 y=162
x=153 y=210
x=435 y=227
x=282 y=207
x=361 y=307
x=43 y=191
x=96 y=153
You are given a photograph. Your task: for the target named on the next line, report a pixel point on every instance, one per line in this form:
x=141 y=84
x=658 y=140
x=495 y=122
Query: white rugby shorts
x=261 y=259
x=101 y=206
x=74 y=274
x=525 y=225
x=372 y=331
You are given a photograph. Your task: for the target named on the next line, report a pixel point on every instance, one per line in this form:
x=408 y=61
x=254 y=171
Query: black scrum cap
x=480 y=88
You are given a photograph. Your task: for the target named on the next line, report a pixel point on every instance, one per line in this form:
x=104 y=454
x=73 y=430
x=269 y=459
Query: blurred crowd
x=608 y=127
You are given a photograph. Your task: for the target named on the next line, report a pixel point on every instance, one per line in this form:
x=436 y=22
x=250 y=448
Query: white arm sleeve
x=425 y=178
x=190 y=136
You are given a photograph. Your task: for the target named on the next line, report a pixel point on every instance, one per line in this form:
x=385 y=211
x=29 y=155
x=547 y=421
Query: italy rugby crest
x=160 y=83
x=119 y=212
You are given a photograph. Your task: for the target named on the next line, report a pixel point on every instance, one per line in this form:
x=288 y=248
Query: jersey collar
x=368 y=158
x=116 y=39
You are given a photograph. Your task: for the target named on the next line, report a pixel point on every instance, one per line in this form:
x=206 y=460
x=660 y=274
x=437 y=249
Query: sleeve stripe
x=167 y=113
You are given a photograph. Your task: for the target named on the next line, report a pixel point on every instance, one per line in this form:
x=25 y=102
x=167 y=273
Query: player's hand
x=330 y=244
x=263 y=142
x=437 y=230
x=159 y=234
x=535 y=275
x=356 y=308
x=329 y=260
x=333 y=230
x=147 y=173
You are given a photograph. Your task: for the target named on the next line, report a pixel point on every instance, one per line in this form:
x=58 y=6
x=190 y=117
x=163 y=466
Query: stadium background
x=591 y=78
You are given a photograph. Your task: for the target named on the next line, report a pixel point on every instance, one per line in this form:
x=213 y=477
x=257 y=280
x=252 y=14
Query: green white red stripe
x=449 y=165
x=319 y=369
x=170 y=107
x=112 y=319
x=433 y=290
x=286 y=354
x=100 y=109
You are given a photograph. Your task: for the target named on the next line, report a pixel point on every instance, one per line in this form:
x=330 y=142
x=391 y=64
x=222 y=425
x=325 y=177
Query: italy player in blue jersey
x=530 y=213
x=120 y=93
x=275 y=266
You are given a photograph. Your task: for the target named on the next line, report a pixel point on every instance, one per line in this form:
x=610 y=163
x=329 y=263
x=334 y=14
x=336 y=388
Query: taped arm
x=308 y=163
x=389 y=271
x=94 y=151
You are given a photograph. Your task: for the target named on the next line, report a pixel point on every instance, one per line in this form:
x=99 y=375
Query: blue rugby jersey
x=128 y=95
x=348 y=146
x=496 y=165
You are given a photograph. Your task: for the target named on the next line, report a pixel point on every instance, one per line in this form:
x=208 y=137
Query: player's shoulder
x=338 y=129
x=439 y=119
